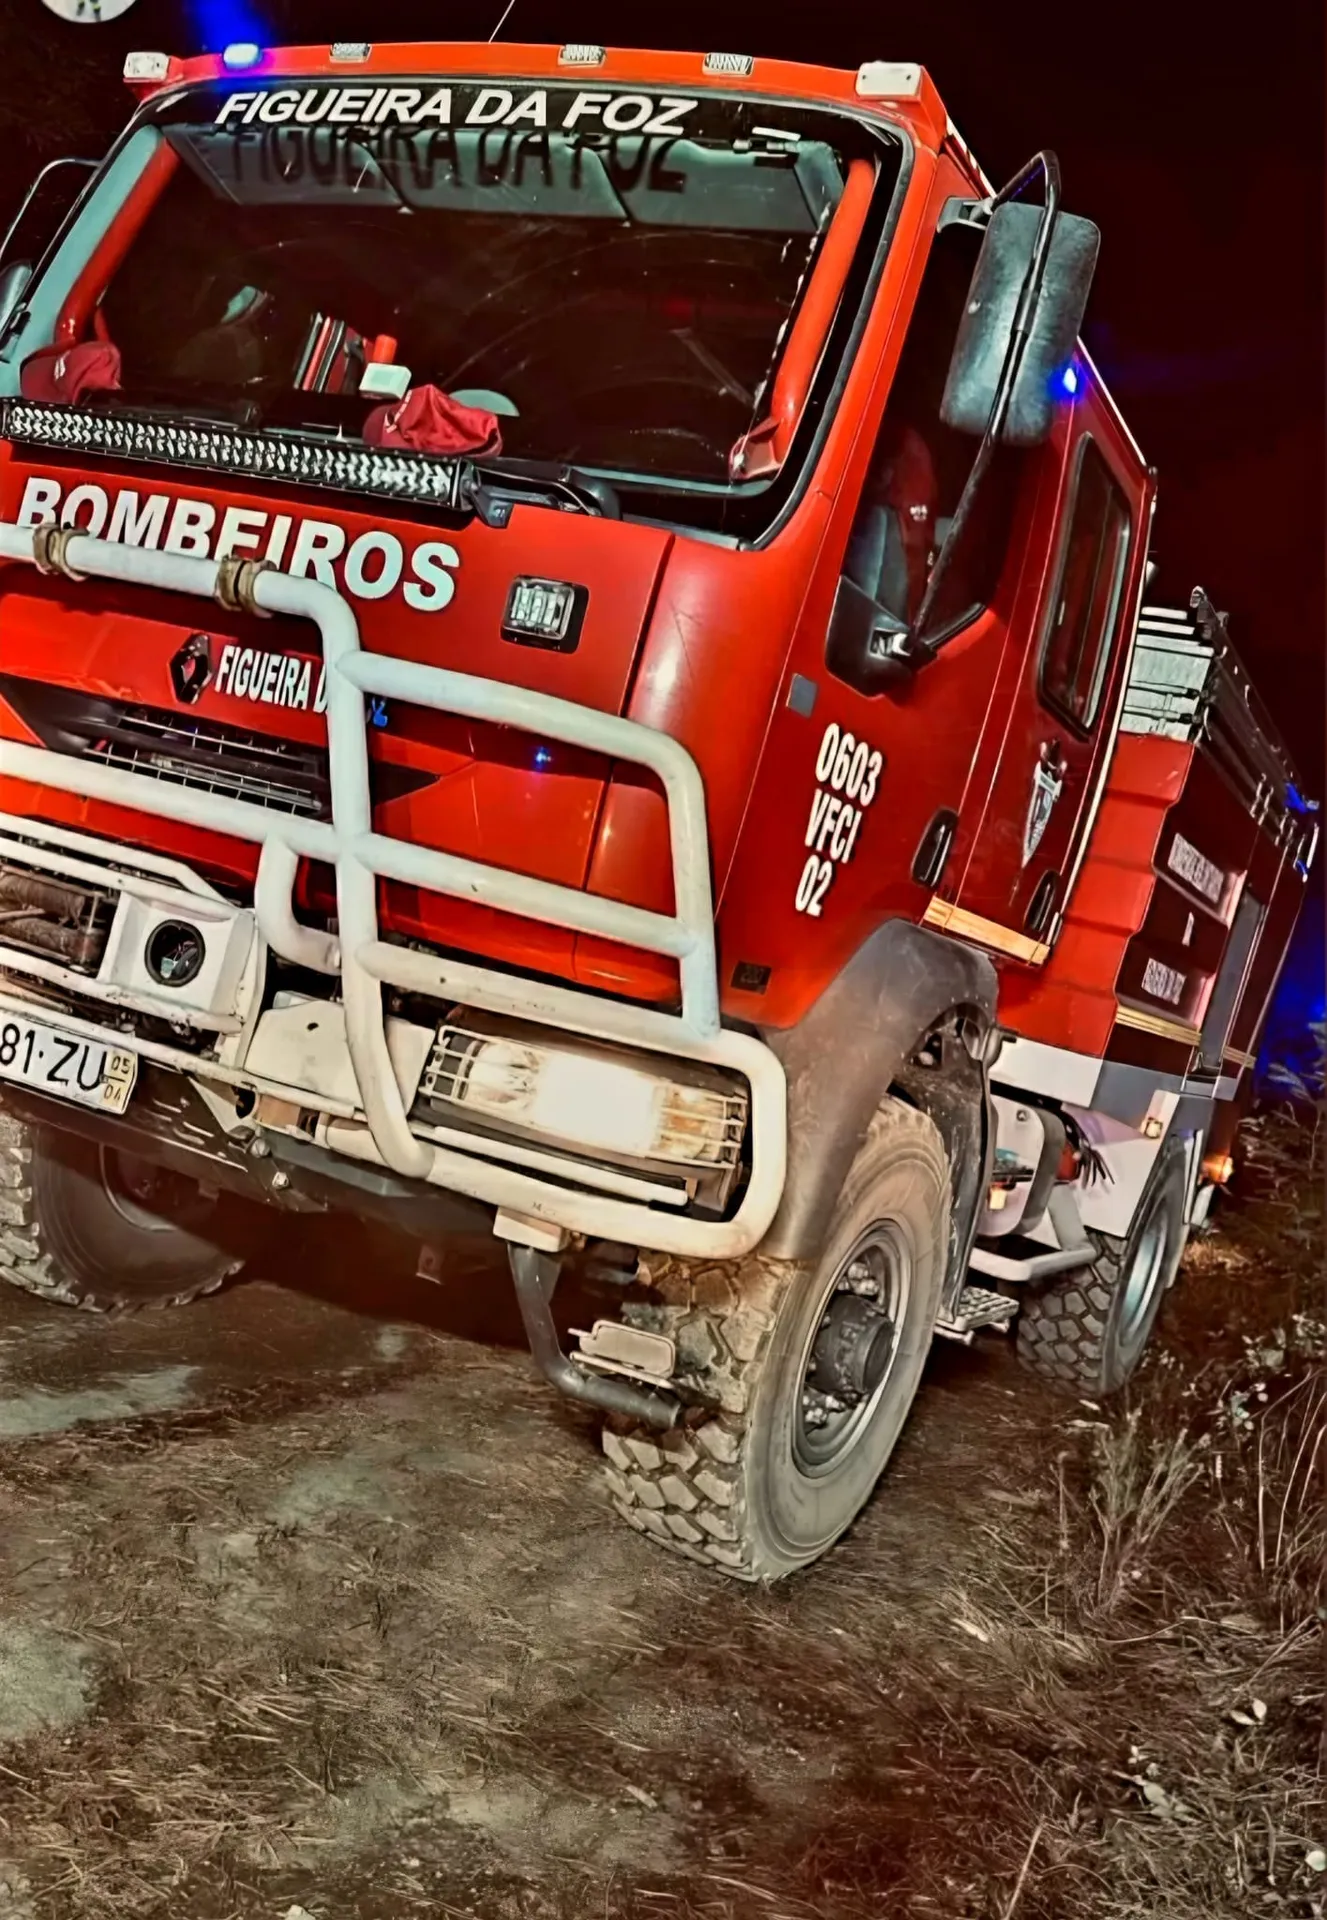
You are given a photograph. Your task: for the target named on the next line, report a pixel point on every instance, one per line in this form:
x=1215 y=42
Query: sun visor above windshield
x=316 y=163
x=648 y=180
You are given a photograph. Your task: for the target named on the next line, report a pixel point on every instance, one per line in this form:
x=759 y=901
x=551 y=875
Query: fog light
x=544 y=613
x=587 y=1100
x=175 y=953
x=597 y=1104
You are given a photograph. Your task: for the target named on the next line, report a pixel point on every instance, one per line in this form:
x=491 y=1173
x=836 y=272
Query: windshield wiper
x=499 y=485
x=197 y=403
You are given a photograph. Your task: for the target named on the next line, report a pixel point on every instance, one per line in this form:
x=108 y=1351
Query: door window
x=1088 y=589
x=919 y=468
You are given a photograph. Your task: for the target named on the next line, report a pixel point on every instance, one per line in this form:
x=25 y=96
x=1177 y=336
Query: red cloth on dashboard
x=67 y=373
x=430 y=421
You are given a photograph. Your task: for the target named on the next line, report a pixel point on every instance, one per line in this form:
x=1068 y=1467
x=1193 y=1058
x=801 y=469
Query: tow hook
x=535 y=1275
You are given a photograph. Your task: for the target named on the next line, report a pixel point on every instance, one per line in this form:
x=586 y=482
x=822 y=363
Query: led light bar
x=297 y=459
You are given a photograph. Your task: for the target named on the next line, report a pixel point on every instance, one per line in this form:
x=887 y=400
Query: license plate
x=51 y=1062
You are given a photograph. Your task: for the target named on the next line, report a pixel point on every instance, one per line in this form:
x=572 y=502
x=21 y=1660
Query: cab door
x=1039 y=807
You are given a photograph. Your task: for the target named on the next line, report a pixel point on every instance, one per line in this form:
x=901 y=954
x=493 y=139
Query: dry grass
x=1138 y=1481
x=1164 y=1620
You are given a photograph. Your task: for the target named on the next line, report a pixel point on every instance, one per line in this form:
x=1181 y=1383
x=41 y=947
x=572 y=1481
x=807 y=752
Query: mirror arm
x=52 y=166
x=1048 y=165
x=918 y=650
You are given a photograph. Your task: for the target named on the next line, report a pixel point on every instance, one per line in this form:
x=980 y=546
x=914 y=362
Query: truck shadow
x=371 y=1273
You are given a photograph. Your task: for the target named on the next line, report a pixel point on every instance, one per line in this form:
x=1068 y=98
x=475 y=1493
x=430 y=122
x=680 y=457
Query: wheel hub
x=1144 y=1276
x=848 y=1359
x=852 y=1348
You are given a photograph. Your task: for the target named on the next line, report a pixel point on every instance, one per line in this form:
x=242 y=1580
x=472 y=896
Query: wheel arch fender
x=860 y=1039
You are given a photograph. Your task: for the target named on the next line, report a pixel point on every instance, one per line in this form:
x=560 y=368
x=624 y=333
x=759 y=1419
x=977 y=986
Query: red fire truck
x=572 y=657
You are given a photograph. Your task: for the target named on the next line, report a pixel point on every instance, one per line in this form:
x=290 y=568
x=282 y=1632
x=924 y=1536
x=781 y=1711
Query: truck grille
x=215 y=759
x=189 y=751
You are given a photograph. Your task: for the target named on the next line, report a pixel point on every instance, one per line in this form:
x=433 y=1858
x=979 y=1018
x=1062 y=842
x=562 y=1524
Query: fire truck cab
x=572 y=657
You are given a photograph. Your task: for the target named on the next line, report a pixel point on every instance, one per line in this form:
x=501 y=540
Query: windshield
x=613 y=276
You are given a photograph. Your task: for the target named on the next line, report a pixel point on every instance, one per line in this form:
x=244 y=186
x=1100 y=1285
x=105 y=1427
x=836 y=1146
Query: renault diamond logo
x=191 y=669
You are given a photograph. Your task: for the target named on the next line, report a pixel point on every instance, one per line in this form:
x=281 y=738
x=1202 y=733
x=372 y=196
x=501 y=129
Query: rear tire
x=1087 y=1330
x=813 y=1369
x=87 y=1226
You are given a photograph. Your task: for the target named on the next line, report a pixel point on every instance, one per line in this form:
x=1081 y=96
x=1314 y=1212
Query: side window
x=919 y=467
x=1077 y=648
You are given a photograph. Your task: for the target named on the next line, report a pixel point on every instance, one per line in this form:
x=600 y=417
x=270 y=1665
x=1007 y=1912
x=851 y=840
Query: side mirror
x=14 y=280
x=47 y=204
x=991 y=322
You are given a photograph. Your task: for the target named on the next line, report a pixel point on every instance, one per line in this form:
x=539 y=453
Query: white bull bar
x=359 y=856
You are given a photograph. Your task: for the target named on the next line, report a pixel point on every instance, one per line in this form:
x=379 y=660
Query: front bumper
x=361 y=1079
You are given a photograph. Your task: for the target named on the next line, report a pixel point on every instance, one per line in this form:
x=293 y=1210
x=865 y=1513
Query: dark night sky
x=1197 y=146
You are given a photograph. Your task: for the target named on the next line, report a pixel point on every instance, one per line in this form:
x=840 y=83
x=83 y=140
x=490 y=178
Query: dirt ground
x=311 y=1606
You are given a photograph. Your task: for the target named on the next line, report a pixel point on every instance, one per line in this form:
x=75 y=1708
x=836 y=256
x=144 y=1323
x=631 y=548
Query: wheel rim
x=1143 y=1280
x=851 y=1351
x=147 y=1197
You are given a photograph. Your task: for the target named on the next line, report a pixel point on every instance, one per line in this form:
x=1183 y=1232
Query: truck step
x=632 y=1352
x=1038 y=1263
x=977 y=1307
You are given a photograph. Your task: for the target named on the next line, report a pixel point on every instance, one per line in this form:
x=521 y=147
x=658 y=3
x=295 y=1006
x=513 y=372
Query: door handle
x=1047 y=786
x=1051 y=758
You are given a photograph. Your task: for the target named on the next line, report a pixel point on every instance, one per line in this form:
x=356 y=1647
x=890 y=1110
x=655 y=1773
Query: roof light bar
x=889 y=80
x=573 y=56
x=297 y=459
x=740 y=64
x=240 y=55
x=350 y=53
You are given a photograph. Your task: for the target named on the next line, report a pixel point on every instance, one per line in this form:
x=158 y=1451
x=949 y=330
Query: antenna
x=502 y=23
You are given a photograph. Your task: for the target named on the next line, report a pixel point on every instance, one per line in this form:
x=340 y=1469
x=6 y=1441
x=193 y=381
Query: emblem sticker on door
x=1047 y=786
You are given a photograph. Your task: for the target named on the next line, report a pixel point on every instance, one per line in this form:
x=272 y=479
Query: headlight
x=588 y=1100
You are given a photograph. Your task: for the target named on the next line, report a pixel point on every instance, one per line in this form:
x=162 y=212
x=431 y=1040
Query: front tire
x=1086 y=1331
x=88 y=1226
x=813 y=1370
